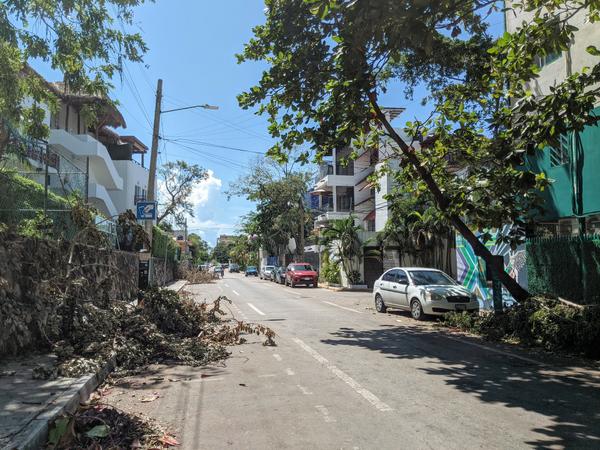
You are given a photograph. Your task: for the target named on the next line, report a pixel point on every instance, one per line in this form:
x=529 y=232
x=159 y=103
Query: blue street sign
x=146 y=210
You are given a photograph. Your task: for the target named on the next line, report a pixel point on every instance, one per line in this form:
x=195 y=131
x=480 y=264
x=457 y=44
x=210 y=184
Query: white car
x=422 y=291
x=265 y=273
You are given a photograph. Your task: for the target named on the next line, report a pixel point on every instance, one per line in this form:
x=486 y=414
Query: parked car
x=265 y=273
x=301 y=273
x=274 y=273
x=280 y=275
x=251 y=271
x=422 y=291
x=225 y=265
x=234 y=268
x=218 y=271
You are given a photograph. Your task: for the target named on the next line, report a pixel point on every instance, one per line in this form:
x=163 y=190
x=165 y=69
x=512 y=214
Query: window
x=560 y=155
x=544 y=60
x=401 y=277
x=390 y=276
x=301 y=267
x=433 y=277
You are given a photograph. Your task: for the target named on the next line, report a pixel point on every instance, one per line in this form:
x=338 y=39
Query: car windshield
x=302 y=267
x=269 y=267
x=251 y=268
x=425 y=277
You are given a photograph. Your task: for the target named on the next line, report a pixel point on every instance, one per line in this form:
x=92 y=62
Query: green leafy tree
x=280 y=213
x=342 y=238
x=329 y=61
x=221 y=251
x=83 y=39
x=244 y=251
x=176 y=182
x=199 y=248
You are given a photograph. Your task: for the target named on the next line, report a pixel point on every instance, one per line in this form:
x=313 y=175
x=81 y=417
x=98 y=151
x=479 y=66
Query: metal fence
x=565 y=266
x=38 y=185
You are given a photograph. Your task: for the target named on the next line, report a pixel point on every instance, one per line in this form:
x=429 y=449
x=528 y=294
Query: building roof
x=111 y=115
x=138 y=146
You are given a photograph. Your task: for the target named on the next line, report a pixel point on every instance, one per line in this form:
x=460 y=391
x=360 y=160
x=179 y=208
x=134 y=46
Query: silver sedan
x=422 y=291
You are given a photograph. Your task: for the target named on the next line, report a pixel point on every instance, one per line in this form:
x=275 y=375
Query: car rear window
x=302 y=267
x=269 y=267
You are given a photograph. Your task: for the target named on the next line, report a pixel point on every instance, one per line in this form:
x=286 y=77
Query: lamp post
x=154 y=149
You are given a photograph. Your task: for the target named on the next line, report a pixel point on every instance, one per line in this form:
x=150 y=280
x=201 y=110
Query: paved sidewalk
x=27 y=405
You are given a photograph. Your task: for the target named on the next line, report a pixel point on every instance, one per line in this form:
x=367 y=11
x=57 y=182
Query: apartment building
x=572 y=202
x=113 y=165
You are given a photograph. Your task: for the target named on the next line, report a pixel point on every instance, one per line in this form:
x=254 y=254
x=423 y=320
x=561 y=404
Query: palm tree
x=342 y=237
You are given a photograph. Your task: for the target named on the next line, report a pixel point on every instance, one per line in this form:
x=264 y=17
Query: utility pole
x=154 y=154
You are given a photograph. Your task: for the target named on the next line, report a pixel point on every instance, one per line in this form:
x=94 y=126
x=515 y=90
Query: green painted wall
x=559 y=199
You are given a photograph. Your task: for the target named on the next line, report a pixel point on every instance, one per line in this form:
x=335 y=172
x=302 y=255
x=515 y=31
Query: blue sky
x=192 y=46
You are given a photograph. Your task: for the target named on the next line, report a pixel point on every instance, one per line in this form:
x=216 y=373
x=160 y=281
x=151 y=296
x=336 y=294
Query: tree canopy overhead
x=83 y=39
x=330 y=61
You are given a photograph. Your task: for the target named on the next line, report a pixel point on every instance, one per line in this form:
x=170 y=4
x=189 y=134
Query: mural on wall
x=471 y=268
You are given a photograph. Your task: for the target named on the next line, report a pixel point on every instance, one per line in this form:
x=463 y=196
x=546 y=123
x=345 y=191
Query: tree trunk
x=515 y=289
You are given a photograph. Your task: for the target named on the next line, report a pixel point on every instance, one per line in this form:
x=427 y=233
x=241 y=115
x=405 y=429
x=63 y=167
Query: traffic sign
x=146 y=210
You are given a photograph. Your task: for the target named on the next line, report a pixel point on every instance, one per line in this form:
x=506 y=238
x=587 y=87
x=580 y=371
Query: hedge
x=567 y=267
x=163 y=244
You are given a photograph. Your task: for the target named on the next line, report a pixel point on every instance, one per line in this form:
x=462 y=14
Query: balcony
x=102 y=168
x=328 y=216
x=99 y=196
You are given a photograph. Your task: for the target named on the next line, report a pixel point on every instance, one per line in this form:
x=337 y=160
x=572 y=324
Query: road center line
x=343 y=307
x=255 y=308
x=235 y=292
x=366 y=394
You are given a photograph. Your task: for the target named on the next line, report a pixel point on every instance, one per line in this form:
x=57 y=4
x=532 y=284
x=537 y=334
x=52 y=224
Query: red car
x=301 y=273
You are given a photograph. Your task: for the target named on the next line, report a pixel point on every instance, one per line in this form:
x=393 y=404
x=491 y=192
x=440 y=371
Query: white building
x=117 y=178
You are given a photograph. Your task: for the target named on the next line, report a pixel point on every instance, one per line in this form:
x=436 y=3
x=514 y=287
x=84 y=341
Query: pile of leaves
x=540 y=322
x=193 y=275
x=163 y=327
x=103 y=426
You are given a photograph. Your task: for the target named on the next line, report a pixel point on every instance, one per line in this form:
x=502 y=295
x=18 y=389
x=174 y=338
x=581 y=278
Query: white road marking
x=323 y=410
x=268 y=375
x=366 y=394
x=226 y=285
x=255 y=308
x=235 y=292
x=277 y=357
x=304 y=390
x=343 y=307
x=289 y=371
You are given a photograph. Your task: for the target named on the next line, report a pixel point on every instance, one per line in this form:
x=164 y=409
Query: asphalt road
x=344 y=377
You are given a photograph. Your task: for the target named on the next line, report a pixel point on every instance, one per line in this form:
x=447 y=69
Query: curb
x=35 y=434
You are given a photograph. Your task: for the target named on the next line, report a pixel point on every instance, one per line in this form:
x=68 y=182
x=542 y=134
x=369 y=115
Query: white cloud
x=203 y=191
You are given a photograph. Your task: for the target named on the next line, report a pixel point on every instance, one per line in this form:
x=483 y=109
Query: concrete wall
x=133 y=175
x=30 y=272
x=574 y=59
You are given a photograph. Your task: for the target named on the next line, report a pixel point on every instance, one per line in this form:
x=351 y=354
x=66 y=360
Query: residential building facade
x=572 y=202
x=115 y=176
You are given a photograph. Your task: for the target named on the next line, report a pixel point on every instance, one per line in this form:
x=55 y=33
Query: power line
x=209 y=144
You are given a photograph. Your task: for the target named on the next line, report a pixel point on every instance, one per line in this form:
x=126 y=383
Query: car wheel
x=416 y=310
x=379 y=304
x=292 y=284
x=315 y=285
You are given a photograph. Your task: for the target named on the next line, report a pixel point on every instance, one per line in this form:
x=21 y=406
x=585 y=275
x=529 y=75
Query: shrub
x=541 y=322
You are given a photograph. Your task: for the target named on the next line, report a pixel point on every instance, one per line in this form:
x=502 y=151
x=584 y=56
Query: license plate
x=460 y=307
x=307 y=279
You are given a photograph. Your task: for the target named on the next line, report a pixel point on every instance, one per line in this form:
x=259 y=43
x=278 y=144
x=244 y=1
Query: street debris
x=193 y=275
x=163 y=327
x=98 y=426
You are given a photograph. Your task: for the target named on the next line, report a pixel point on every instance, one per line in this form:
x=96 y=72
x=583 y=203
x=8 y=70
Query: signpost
x=145 y=210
